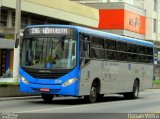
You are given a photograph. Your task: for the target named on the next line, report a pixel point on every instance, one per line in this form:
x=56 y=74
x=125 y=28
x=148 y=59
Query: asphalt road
x=111 y=106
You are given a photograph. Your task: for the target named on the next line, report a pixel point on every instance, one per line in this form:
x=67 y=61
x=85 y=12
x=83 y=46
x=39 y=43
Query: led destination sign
x=56 y=31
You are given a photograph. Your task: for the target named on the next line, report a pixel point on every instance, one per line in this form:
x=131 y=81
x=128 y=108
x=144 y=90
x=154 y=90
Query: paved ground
x=148 y=102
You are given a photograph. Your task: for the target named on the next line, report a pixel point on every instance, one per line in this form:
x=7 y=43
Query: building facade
x=119 y=18
x=34 y=13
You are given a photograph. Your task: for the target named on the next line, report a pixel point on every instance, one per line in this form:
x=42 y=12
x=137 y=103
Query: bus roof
x=101 y=34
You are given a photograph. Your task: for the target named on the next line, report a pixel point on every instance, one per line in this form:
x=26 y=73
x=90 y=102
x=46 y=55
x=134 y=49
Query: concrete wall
x=66 y=10
x=150 y=15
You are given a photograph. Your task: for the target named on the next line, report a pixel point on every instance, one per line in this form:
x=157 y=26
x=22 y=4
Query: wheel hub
x=93 y=92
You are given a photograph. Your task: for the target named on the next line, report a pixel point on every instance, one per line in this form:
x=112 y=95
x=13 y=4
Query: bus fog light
x=69 y=82
x=24 y=80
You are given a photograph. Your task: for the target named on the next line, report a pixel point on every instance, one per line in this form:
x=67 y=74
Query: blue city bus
x=66 y=60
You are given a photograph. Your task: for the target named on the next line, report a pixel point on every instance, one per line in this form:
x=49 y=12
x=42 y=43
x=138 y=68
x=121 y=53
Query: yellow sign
x=9 y=36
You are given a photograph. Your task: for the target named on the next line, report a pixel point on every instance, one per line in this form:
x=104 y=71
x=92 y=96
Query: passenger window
x=141 y=49
x=132 y=48
x=121 y=46
x=97 y=53
x=110 y=44
x=97 y=42
x=85 y=48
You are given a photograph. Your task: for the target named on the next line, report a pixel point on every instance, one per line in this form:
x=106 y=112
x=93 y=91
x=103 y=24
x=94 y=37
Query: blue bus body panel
x=55 y=85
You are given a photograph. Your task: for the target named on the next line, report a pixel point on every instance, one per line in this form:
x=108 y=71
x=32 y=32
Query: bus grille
x=47 y=74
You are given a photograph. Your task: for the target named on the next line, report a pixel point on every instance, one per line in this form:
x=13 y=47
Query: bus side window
x=84 y=50
x=110 y=44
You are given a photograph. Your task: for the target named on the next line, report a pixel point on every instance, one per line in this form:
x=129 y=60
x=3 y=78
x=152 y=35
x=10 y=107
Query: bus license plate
x=44 y=89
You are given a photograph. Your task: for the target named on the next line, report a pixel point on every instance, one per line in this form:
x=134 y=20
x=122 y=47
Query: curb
x=19 y=98
x=156 y=86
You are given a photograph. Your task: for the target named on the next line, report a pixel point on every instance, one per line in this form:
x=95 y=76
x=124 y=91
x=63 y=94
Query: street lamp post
x=16 y=60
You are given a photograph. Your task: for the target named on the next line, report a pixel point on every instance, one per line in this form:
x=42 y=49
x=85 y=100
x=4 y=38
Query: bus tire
x=47 y=98
x=93 y=94
x=135 y=93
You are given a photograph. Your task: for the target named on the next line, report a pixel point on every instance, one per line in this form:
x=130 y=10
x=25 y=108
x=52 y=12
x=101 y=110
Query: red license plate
x=44 y=89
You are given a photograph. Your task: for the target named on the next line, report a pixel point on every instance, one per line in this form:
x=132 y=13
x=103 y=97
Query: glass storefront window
x=6 y=63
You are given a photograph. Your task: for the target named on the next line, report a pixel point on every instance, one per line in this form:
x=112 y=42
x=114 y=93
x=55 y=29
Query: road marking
x=84 y=105
x=30 y=111
x=77 y=106
x=69 y=107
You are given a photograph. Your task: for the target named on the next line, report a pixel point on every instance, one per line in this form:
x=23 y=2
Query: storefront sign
x=134 y=22
x=120 y=19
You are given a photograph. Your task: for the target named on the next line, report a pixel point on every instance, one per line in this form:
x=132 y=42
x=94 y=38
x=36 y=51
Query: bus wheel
x=135 y=93
x=47 y=98
x=93 y=94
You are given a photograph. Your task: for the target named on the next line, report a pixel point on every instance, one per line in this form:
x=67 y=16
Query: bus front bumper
x=70 y=90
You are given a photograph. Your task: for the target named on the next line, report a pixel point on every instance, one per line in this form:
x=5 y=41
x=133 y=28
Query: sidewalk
x=13 y=93
x=19 y=98
x=156 y=86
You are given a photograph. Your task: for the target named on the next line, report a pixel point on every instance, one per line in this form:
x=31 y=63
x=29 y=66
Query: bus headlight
x=24 y=80
x=69 y=82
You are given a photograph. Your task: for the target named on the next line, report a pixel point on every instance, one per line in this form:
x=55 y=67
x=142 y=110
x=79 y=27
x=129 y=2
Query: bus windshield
x=48 y=53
